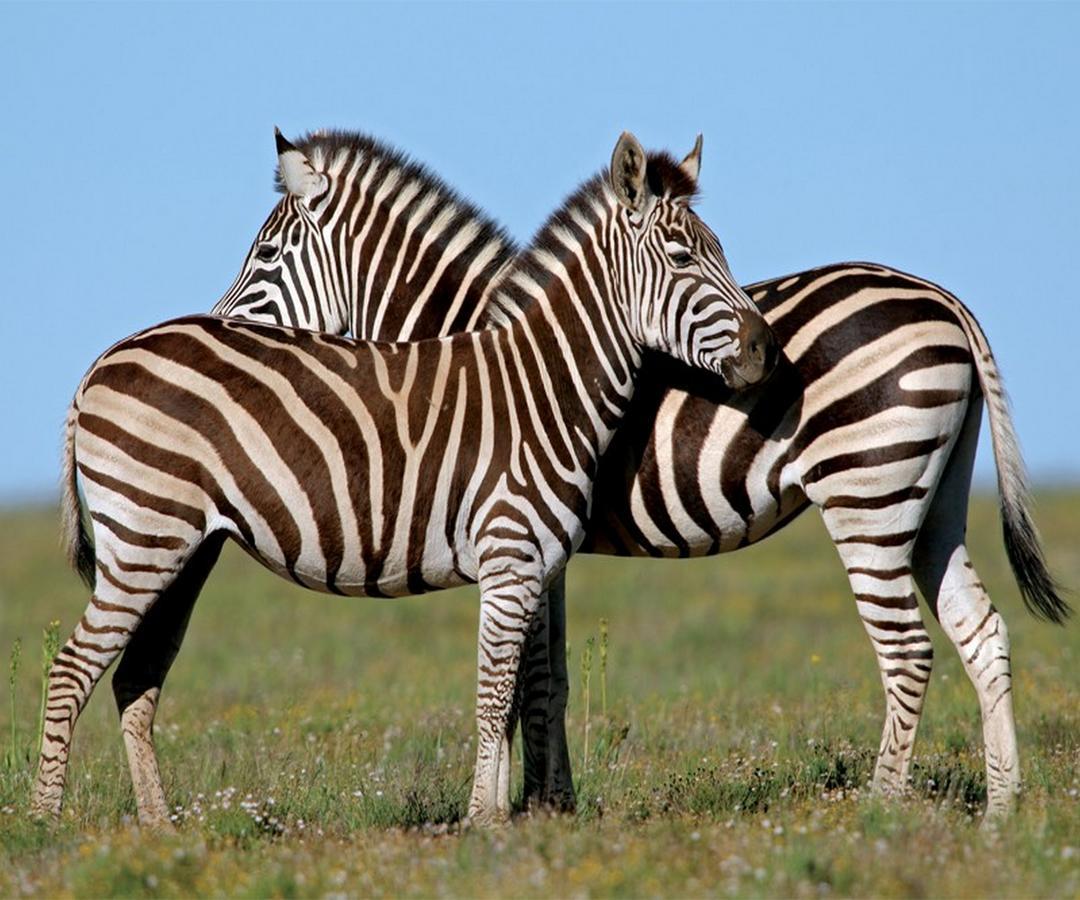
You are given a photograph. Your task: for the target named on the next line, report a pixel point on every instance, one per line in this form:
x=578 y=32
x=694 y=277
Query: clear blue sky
x=137 y=153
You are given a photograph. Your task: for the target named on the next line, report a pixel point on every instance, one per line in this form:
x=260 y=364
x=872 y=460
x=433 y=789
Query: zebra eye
x=680 y=258
x=266 y=252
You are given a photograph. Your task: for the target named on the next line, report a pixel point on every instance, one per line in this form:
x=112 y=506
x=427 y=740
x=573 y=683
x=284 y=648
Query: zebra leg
x=110 y=619
x=509 y=597
x=141 y=673
x=80 y=663
x=548 y=778
x=139 y=555
x=878 y=563
x=956 y=595
x=558 y=790
x=534 y=683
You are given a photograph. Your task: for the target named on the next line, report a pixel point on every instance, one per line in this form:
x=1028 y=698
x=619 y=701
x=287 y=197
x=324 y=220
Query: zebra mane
x=326 y=147
x=665 y=177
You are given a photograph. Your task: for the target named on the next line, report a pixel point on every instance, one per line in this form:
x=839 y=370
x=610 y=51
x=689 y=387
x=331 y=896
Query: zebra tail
x=1042 y=594
x=76 y=539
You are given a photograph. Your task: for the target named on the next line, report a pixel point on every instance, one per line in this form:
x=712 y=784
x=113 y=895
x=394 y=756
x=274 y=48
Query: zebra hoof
x=486 y=820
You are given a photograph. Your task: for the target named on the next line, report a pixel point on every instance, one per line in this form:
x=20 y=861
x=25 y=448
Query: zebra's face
x=680 y=294
x=289 y=262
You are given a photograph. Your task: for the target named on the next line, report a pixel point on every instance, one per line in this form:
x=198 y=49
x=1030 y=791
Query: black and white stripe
x=360 y=227
x=308 y=450
x=872 y=416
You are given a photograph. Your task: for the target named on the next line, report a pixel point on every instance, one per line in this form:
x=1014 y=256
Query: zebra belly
x=403 y=555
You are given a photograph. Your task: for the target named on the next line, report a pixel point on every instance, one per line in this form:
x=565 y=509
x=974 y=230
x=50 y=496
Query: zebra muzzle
x=757 y=356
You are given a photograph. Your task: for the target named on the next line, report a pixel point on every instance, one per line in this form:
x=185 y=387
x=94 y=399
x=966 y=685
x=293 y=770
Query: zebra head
x=288 y=276
x=682 y=298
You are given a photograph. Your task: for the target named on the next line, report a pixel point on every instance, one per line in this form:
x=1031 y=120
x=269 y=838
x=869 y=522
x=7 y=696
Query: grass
x=319 y=746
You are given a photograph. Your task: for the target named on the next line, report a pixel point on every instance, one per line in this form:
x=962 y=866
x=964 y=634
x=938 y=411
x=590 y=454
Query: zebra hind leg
x=139 y=677
x=107 y=625
x=881 y=579
x=509 y=597
x=874 y=507
x=956 y=595
x=125 y=591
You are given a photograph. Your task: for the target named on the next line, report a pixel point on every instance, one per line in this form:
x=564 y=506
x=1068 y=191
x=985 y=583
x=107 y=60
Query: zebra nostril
x=756 y=358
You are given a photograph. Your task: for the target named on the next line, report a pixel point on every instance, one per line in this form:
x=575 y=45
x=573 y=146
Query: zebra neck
x=418 y=261
x=570 y=353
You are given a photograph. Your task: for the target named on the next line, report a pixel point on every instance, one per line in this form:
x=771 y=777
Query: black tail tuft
x=1042 y=595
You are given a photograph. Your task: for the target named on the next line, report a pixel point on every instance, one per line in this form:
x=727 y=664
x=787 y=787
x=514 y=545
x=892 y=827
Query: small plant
x=586 y=675
x=603 y=667
x=13 y=674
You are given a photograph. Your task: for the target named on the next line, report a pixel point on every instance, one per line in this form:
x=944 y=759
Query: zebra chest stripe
x=542 y=423
x=474 y=499
x=552 y=521
x=515 y=437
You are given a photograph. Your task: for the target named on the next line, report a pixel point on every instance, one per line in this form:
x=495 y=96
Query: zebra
x=307 y=450
x=359 y=229
x=872 y=417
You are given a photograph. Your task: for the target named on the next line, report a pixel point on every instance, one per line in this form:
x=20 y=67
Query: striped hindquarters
x=875 y=374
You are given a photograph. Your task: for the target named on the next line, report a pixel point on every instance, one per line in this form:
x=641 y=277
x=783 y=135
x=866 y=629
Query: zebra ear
x=297 y=174
x=628 y=173
x=691 y=165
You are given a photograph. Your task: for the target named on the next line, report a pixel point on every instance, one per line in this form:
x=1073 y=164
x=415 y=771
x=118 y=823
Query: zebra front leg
x=558 y=793
x=509 y=597
x=548 y=778
x=879 y=570
x=534 y=690
x=141 y=674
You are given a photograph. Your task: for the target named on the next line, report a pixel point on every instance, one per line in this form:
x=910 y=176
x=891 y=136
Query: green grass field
x=319 y=746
